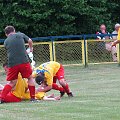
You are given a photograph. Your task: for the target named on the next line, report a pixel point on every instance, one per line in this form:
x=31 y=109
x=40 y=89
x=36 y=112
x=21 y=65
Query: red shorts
x=25 y=70
x=59 y=75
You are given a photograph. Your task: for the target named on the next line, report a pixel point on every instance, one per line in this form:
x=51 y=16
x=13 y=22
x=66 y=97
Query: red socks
x=61 y=89
x=32 y=91
x=5 y=91
x=56 y=87
x=67 y=89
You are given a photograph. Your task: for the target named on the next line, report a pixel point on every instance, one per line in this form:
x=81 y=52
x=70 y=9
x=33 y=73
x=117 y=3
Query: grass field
x=96 y=97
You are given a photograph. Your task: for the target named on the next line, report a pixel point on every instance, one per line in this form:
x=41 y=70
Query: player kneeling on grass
x=20 y=91
x=48 y=73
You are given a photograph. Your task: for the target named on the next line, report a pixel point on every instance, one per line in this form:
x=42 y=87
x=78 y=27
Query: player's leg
x=31 y=87
x=59 y=88
x=11 y=98
x=7 y=88
x=12 y=75
x=63 y=83
x=26 y=72
x=56 y=87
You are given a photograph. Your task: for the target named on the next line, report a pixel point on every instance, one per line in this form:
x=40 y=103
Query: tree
x=58 y=17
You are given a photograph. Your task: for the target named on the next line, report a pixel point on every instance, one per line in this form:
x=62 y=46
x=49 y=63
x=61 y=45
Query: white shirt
x=114 y=37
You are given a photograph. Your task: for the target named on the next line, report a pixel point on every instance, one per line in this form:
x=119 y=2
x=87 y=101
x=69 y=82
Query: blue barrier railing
x=83 y=36
x=75 y=37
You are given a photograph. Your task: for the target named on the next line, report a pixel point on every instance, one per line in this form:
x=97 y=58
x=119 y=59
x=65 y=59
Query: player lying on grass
x=48 y=73
x=20 y=91
x=18 y=95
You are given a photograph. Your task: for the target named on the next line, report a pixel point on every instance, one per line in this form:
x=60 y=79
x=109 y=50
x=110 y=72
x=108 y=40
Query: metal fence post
x=118 y=54
x=51 y=53
x=53 y=49
x=85 y=52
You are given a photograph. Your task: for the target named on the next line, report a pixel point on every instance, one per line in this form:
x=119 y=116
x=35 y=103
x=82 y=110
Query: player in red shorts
x=18 y=61
x=48 y=73
x=20 y=91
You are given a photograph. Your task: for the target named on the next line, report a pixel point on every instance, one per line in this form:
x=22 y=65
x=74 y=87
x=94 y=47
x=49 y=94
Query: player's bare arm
x=115 y=42
x=44 y=89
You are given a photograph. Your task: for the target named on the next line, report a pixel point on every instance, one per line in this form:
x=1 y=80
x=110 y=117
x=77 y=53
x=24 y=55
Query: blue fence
x=54 y=38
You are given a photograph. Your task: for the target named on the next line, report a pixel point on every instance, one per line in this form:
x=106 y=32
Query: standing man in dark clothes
x=18 y=61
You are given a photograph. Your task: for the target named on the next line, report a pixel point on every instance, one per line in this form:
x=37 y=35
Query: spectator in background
x=116 y=31
x=103 y=31
x=118 y=39
x=107 y=44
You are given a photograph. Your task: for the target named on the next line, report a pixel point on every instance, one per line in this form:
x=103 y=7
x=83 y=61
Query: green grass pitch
x=96 y=97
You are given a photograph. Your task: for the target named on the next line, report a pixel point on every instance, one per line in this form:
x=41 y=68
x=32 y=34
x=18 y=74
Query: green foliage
x=58 y=17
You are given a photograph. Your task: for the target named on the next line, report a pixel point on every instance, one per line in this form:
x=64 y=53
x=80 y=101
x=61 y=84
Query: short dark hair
x=40 y=78
x=9 y=29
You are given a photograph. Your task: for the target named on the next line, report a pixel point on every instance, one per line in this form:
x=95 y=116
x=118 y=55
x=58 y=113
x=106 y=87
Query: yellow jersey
x=118 y=36
x=49 y=69
x=20 y=87
x=39 y=96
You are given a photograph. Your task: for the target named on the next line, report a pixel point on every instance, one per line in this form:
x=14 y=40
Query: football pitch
x=96 y=92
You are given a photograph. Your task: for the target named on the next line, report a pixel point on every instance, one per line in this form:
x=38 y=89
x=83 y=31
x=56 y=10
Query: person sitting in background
x=117 y=26
x=107 y=44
